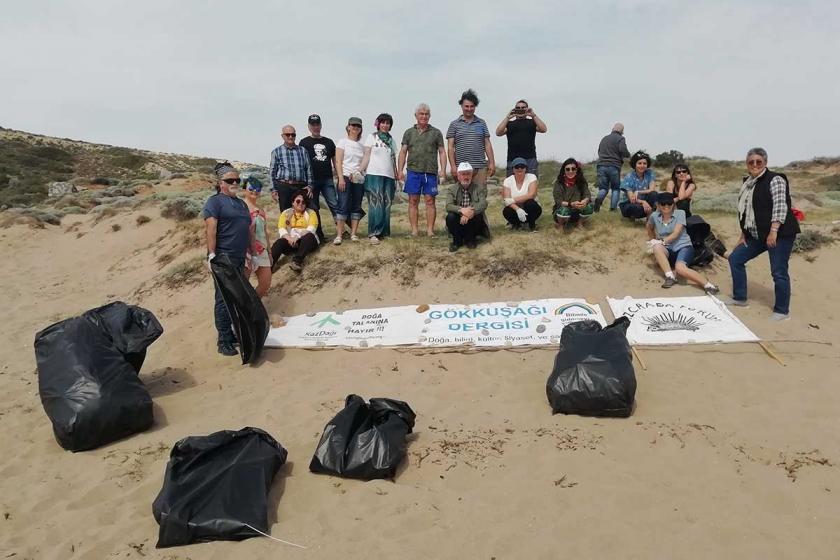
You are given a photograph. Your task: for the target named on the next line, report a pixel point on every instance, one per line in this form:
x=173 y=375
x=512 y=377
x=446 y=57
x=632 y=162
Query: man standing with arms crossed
x=321 y=152
x=423 y=149
x=468 y=140
x=290 y=169
x=611 y=153
x=520 y=126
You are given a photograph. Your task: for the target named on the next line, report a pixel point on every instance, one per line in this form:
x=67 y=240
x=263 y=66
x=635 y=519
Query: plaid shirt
x=465 y=200
x=778 y=190
x=290 y=164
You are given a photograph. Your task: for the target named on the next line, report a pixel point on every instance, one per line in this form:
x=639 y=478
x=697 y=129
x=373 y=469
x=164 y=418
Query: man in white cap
x=466 y=202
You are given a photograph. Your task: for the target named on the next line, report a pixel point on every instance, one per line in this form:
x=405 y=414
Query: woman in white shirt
x=349 y=153
x=519 y=192
x=378 y=164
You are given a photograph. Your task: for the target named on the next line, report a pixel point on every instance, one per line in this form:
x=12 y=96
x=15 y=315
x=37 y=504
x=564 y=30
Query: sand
x=728 y=454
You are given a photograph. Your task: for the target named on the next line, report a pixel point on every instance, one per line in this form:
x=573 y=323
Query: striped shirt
x=290 y=164
x=469 y=141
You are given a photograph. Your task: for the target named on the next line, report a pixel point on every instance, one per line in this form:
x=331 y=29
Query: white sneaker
x=374 y=240
x=779 y=316
x=736 y=302
x=337 y=240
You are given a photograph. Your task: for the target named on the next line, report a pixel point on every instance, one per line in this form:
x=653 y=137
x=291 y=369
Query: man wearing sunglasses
x=521 y=126
x=290 y=169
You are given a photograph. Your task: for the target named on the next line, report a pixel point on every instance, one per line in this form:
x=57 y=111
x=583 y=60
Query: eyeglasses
x=519 y=166
x=681 y=171
x=570 y=168
x=232 y=181
x=254 y=189
x=290 y=135
x=755 y=162
x=298 y=201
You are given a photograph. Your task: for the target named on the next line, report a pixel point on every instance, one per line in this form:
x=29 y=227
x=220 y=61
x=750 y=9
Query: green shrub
x=830 y=182
x=668 y=159
x=810 y=240
x=181 y=209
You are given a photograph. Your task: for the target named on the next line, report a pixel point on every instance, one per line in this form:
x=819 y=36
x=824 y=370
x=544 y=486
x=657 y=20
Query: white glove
x=523 y=216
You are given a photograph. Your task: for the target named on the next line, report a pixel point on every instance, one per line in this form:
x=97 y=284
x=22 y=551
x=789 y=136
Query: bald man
x=290 y=169
x=611 y=153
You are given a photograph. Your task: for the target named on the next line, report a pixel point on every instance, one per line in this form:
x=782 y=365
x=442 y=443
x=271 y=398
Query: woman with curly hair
x=638 y=188
x=572 y=201
x=683 y=187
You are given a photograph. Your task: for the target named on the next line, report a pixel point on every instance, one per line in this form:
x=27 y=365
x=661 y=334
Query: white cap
x=464 y=166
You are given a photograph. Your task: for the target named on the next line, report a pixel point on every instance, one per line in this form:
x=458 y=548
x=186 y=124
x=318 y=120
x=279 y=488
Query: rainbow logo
x=569 y=306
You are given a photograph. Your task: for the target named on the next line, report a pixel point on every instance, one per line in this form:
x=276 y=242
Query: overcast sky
x=220 y=79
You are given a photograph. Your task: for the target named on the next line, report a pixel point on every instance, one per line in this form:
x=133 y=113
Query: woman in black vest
x=767 y=224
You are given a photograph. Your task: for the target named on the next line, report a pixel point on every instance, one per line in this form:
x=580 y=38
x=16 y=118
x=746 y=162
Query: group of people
x=370 y=166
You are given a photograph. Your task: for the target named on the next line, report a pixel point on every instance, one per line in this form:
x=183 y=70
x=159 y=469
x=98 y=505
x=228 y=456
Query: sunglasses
x=290 y=134
x=681 y=171
x=755 y=162
x=666 y=204
x=519 y=166
x=232 y=181
x=298 y=201
x=254 y=189
x=570 y=168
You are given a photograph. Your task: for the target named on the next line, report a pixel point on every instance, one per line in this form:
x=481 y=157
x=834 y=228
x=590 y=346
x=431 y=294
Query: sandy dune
x=728 y=454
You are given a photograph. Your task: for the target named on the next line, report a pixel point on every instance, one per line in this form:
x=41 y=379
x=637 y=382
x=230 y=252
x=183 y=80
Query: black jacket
x=763 y=208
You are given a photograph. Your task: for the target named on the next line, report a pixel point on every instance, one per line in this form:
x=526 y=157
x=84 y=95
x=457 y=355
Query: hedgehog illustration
x=671 y=322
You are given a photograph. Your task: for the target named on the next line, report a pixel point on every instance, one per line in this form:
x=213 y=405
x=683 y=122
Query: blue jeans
x=326 y=188
x=350 y=201
x=220 y=310
x=779 y=257
x=609 y=180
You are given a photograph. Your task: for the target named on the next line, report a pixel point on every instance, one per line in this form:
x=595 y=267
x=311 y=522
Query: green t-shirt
x=423 y=149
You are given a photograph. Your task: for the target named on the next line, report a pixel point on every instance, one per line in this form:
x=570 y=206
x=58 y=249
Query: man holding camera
x=520 y=126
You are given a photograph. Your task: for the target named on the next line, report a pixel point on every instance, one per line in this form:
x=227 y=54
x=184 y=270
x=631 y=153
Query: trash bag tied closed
x=364 y=441
x=88 y=374
x=247 y=313
x=215 y=486
x=593 y=371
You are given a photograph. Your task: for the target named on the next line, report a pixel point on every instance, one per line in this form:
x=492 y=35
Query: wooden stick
x=770 y=352
x=638 y=357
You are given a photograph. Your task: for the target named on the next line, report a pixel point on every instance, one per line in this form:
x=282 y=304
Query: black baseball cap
x=314 y=119
x=665 y=198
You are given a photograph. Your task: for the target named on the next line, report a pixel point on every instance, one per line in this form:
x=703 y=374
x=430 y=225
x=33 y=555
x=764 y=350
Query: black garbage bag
x=88 y=374
x=706 y=244
x=364 y=441
x=593 y=371
x=217 y=485
x=247 y=313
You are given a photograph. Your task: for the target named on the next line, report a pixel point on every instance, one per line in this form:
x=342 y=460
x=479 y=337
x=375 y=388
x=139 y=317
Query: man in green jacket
x=466 y=202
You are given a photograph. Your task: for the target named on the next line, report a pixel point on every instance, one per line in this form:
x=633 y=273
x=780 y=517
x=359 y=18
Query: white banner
x=680 y=320
x=533 y=322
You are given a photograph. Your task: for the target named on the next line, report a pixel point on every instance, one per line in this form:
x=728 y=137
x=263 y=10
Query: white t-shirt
x=381 y=161
x=515 y=191
x=353 y=154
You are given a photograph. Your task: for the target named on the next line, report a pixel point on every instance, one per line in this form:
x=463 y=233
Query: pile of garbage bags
x=593 y=371
x=88 y=378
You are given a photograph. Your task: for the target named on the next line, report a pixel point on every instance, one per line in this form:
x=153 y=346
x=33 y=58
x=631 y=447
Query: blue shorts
x=421 y=183
x=685 y=255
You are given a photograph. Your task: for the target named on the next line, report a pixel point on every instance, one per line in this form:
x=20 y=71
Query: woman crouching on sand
x=670 y=244
x=228 y=230
x=260 y=262
x=297 y=227
x=571 y=196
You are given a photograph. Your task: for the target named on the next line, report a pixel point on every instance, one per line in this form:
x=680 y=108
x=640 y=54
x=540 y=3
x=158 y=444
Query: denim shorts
x=417 y=183
x=685 y=255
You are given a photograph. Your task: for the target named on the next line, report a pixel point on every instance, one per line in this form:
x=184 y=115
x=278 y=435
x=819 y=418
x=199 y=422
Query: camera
x=519 y=112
